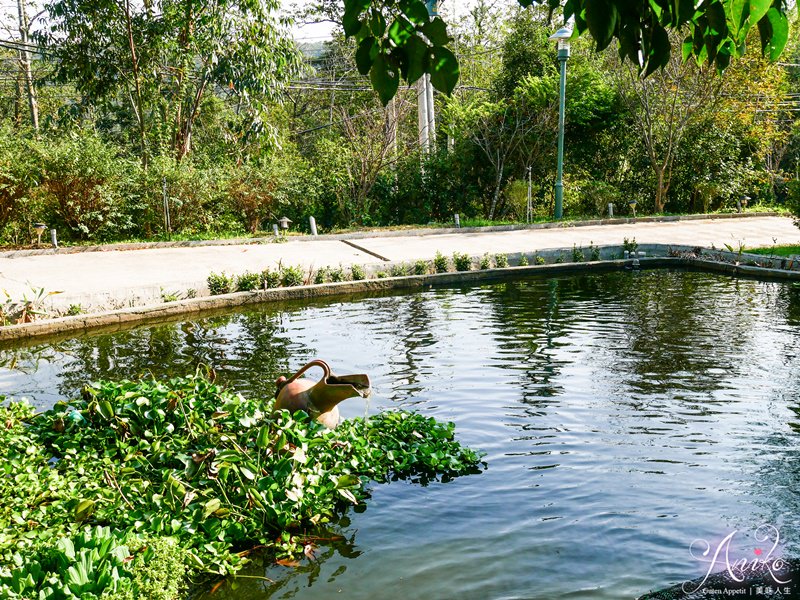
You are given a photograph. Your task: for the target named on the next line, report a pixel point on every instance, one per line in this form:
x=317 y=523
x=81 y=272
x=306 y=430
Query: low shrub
x=440 y=264
x=358 y=273
x=462 y=262
x=292 y=276
x=219 y=283
x=422 y=267
x=523 y=261
x=501 y=261
x=247 y=282
x=270 y=279
x=486 y=262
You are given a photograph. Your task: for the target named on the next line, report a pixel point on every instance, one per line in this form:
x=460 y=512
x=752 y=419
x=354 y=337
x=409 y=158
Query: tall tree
x=161 y=58
x=663 y=106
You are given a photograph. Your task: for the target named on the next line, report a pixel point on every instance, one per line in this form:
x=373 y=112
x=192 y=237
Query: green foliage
x=74 y=310
x=594 y=252
x=539 y=260
x=440 y=263
x=270 y=279
x=422 y=267
x=247 y=282
x=462 y=262
x=577 y=254
x=321 y=276
x=337 y=274
x=135 y=485
x=523 y=261
x=292 y=276
x=398 y=270
x=26 y=309
x=501 y=261
x=485 y=263
x=630 y=245
x=219 y=283
x=358 y=272
x=84 y=184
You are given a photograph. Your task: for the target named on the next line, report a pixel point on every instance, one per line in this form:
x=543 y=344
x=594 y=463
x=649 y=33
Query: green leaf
x=415 y=10
x=601 y=16
x=758 y=9
x=262 y=441
x=377 y=23
x=84 y=510
x=384 y=78
x=444 y=70
x=417 y=57
x=736 y=12
x=351 y=22
x=211 y=507
x=105 y=409
x=402 y=31
x=346 y=481
x=436 y=32
x=780 y=33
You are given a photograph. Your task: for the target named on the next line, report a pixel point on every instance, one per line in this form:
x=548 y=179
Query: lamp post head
x=562 y=36
x=284 y=222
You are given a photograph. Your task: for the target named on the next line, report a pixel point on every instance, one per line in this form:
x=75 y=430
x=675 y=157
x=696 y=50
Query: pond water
x=623 y=416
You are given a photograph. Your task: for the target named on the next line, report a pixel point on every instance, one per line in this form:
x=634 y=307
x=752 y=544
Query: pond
x=623 y=416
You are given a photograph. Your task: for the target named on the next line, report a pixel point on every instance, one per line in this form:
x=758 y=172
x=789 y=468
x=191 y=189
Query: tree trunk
x=25 y=63
x=661 y=191
x=496 y=195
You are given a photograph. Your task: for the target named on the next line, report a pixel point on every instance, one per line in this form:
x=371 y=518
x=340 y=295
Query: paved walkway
x=117 y=279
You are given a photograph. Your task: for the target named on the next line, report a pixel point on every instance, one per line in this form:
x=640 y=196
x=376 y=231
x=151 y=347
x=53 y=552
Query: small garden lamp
x=741 y=203
x=284 y=223
x=632 y=204
x=40 y=229
x=561 y=36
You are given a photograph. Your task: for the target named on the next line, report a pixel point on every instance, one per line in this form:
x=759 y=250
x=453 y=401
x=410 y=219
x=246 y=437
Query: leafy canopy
x=398 y=38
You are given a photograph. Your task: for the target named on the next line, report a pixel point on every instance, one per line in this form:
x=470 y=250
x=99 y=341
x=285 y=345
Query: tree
x=162 y=57
x=397 y=39
x=663 y=106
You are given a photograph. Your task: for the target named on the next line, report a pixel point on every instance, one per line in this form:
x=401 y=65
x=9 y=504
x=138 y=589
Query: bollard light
x=284 y=223
x=40 y=228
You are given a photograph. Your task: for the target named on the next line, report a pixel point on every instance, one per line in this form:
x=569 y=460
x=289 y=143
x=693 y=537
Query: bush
x=577 y=254
x=486 y=262
x=292 y=276
x=440 y=264
x=358 y=272
x=19 y=176
x=398 y=270
x=270 y=279
x=422 y=267
x=321 y=276
x=539 y=260
x=594 y=252
x=462 y=262
x=501 y=261
x=337 y=274
x=247 y=282
x=219 y=283
x=85 y=185
x=523 y=261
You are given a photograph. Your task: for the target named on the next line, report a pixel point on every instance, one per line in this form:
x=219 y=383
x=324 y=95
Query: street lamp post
x=562 y=37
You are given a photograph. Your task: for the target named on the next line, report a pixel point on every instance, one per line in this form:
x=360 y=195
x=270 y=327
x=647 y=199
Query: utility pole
x=25 y=64
x=426 y=115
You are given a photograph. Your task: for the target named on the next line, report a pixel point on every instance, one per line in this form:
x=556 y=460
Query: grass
x=775 y=250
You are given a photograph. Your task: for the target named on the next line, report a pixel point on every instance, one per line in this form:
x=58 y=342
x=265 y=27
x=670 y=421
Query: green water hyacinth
x=214 y=473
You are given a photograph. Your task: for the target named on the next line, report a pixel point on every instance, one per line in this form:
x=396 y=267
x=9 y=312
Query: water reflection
x=623 y=416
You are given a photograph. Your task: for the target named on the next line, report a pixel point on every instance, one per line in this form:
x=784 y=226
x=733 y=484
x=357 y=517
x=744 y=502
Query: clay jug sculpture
x=319 y=399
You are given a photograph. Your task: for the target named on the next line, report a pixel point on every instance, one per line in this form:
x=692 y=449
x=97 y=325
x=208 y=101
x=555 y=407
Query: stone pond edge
x=714 y=261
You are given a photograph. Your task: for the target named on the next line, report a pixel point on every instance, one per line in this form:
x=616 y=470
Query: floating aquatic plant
x=213 y=473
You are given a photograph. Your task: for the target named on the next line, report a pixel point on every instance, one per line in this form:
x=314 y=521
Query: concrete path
x=116 y=279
